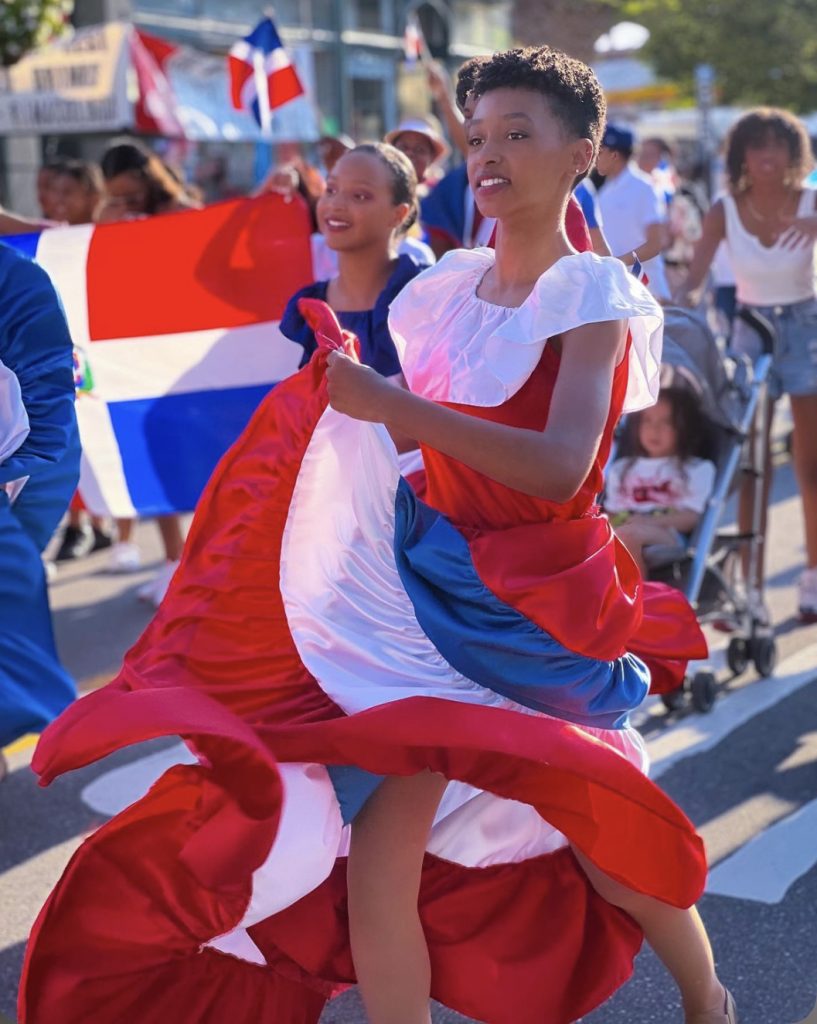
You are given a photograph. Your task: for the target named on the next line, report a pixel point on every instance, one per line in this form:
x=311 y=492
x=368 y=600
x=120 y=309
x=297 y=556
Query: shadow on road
x=11 y=960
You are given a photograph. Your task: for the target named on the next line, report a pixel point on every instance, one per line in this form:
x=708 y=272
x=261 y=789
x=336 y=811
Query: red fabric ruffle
x=121 y=937
x=515 y=944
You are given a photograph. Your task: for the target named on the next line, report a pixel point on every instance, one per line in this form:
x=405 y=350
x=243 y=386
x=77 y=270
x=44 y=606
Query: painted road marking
x=769 y=864
x=699 y=733
x=18 y=746
x=117 y=789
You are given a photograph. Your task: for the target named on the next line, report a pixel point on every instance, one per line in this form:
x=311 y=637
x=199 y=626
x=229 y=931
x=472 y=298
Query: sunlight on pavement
x=37 y=876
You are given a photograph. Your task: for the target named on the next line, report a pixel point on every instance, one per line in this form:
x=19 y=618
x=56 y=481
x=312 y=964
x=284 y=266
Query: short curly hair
x=571 y=88
x=465 y=80
x=759 y=126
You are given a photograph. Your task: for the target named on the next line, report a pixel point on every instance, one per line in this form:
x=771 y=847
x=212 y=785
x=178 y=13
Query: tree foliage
x=25 y=24
x=763 y=51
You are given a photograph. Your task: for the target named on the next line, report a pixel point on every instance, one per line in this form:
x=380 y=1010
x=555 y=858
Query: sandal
x=730 y=1013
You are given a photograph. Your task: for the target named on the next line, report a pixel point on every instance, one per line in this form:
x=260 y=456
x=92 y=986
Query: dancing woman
x=415 y=768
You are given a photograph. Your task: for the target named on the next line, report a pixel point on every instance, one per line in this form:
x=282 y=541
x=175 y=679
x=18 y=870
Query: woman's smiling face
x=358 y=207
x=520 y=153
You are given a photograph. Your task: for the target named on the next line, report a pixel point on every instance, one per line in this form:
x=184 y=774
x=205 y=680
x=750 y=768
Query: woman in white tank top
x=768 y=221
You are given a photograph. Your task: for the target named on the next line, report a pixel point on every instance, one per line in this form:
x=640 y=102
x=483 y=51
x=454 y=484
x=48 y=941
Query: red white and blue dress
x=324 y=629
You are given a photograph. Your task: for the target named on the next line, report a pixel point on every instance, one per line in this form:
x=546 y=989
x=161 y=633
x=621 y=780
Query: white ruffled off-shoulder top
x=456 y=347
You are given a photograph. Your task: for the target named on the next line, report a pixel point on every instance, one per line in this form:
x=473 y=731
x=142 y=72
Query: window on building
x=367 y=15
x=287 y=12
x=368 y=108
x=182 y=7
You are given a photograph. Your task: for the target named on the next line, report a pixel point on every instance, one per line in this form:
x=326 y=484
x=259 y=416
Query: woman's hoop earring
x=744 y=181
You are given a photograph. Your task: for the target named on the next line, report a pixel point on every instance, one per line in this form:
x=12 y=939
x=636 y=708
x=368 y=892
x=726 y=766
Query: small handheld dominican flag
x=413 y=42
x=262 y=77
x=638 y=271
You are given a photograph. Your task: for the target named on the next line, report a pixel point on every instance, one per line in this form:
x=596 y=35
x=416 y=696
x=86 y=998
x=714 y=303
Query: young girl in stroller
x=657 y=490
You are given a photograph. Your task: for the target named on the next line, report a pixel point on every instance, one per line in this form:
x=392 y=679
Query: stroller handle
x=762 y=326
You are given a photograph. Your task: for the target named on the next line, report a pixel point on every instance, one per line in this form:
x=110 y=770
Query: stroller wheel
x=674 y=700
x=764 y=654
x=737 y=655
x=704 y=690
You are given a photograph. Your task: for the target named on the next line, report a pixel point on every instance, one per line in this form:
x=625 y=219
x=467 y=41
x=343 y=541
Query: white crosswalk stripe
x=766 y=867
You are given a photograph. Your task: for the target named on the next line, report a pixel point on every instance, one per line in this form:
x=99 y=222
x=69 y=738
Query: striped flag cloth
x=262 y=77
x=175 y=326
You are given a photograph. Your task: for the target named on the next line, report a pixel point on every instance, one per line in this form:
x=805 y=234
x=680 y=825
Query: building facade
x=353 y=51
x=356 y=46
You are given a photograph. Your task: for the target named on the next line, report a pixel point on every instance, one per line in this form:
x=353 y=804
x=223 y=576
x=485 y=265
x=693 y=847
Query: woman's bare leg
x=170 y=528
x=124 y=530
x=678 y=938
x=636 y=534
x=389 y=948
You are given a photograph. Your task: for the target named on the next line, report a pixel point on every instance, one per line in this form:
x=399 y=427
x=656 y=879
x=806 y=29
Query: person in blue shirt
x=39 y=469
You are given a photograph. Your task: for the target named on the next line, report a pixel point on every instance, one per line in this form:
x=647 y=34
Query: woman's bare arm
x=550 y=464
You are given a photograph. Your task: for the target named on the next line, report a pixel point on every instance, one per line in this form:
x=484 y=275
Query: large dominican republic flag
x=175 y=326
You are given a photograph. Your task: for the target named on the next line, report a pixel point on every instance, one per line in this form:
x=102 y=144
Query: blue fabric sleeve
x=443 y=209
x=381 y=354
x=36 y=346
x=587 y=201
x=293 y=325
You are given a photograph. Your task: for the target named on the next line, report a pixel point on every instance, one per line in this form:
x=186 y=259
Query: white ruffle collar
x=457 y=347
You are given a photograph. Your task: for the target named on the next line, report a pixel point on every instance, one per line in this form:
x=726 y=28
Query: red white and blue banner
x=175 y=324
x=262 y=76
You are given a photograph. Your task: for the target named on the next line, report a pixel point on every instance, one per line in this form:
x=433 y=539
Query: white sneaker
x=50 y=570
x=807 y=595
x=124 y=556
x=153 y=592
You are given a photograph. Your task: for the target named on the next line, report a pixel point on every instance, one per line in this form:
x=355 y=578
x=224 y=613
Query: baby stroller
x=731 y=396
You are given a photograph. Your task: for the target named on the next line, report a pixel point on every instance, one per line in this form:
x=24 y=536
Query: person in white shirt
x=633 y=212
x=658 y=494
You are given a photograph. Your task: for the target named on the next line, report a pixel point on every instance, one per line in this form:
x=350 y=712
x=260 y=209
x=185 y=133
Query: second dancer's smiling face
x=358 y=208
x=520 y=154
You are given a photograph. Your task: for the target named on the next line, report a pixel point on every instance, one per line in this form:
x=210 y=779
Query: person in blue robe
x=39 y=469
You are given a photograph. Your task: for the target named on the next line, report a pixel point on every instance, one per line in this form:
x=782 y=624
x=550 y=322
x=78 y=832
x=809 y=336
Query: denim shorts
x=794 y=369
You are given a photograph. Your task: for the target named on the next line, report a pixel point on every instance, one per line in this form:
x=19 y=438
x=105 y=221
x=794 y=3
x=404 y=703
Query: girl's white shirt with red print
x=654 y=485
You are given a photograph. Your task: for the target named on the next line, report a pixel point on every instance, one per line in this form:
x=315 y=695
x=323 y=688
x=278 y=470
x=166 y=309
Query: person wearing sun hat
x=421 y=139
x=633 y=212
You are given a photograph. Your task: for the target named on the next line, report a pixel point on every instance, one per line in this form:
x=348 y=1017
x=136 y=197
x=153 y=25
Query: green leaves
x=762 y=51
x=26 y=24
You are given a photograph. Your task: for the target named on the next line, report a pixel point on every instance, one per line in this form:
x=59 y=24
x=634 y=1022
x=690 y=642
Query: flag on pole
x=175 y=324
x=262 y=77
x=638 y=271
x=413 y=42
